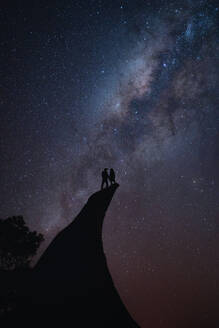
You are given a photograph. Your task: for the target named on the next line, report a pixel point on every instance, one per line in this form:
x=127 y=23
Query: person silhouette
x=105 y=178
x=112 y=177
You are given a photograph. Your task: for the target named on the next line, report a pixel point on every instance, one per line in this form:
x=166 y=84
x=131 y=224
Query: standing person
x=112 y=177
x=104 y=178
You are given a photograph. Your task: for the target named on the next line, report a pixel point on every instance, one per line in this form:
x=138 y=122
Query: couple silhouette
x=106 y=177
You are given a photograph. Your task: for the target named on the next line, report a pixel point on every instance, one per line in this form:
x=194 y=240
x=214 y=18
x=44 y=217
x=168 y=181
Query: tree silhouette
x=17 y=247
x=17 y=243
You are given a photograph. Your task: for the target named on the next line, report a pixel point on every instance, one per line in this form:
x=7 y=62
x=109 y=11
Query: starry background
x=131 y=85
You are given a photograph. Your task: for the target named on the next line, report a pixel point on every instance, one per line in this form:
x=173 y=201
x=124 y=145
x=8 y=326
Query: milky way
x=134 y=86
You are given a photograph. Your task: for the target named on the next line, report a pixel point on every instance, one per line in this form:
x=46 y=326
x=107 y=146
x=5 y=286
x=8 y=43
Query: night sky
x=131 y=85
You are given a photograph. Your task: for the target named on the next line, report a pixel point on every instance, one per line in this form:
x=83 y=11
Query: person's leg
x=104 y=183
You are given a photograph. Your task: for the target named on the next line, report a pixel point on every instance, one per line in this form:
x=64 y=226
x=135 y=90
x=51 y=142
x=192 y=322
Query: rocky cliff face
x=72 y=283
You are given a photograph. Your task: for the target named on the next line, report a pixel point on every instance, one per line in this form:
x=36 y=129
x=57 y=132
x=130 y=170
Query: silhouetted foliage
x=17 y=247
x=17 y=243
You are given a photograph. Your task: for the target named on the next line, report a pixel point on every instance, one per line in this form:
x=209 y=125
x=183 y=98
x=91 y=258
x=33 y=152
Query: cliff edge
x=72 y=283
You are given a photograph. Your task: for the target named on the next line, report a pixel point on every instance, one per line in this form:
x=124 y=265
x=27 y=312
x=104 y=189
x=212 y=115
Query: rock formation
x=72 y=283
